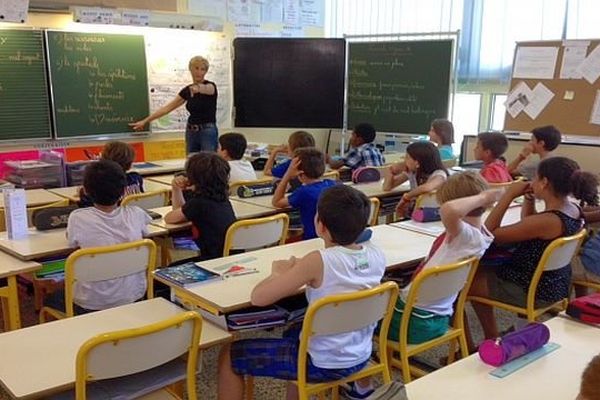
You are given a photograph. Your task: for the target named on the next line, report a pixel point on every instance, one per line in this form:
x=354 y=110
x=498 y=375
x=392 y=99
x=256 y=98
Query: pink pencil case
x=515 y=344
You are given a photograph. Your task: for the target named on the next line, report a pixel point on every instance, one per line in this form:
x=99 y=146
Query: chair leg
x=335 y=393
x=249 y=387
x=405 y=368
x=321 y=396
x=464 y=347
x=5 y=316
x=451 y=352
x=14 y=313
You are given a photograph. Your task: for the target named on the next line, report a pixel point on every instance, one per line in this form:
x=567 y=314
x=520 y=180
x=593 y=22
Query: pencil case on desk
x=515 y=344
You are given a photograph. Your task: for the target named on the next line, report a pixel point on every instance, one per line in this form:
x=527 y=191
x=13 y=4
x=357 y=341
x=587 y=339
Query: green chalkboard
x=399 y=86
x=99 y=82
x=24 y=105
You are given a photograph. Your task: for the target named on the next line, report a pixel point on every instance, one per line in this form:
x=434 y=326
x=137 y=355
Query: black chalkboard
x=24 y=103
x=99 y=82
x=289 y=82
x=399 y=86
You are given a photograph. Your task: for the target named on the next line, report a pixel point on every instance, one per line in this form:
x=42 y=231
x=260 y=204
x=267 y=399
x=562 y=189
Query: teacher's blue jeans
x=204 y=139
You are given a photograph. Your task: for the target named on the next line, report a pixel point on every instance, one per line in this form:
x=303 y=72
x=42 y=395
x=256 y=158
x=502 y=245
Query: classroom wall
x=64 y=20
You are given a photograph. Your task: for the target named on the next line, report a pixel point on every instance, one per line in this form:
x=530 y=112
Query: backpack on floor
x=585 y=308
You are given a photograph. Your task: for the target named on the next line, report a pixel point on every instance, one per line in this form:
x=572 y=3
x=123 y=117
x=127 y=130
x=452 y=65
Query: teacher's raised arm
x=200 y=98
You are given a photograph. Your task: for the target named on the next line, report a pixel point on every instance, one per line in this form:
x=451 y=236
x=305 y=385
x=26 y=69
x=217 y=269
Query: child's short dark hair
x=566 y=178
x=495 y=142
x=234 y=143
x=444 y=129
x=104 y=181
x=312 y=161
x=590 y=389
x=549 y=134
x=365 y=131
x=209 y=174
x=344 y=211
x=300 y=139
x=120 y=152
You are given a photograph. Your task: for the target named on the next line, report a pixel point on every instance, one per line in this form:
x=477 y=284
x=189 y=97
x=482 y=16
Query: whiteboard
x=168 y=52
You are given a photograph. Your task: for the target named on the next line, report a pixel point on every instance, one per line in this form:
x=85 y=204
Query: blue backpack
x=590 y=253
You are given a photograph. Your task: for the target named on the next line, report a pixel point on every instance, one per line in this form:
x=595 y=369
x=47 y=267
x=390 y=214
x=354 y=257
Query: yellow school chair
x=147 y=200
x=334 y=175
x=432 y=284
x=590 y=285
x=344 y=313
x=142 y=362
x=427 y=200
x=31 y=211
x=102 y=263
x=250 y=234
x=233 y=187
x=505 y=184
x=374 y=212
x=558 y=254
x=6 y=292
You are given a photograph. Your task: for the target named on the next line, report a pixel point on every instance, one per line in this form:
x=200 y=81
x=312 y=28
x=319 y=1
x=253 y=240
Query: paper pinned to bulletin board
x=168 y=52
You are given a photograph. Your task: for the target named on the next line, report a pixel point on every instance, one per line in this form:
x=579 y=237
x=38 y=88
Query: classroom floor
x=265 y=389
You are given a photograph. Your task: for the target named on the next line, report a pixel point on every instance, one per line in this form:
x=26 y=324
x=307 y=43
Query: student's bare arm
x=287 y=278
x=453 y=211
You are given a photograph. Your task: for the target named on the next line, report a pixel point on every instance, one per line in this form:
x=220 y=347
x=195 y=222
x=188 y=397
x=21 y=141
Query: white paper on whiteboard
x=535 y=62
x=590 y=67
x=540 y=98
x=573 y=56
x=595 y=117
x=518 y=99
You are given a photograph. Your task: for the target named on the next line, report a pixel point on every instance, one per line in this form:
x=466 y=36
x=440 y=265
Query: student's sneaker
x=349 y=392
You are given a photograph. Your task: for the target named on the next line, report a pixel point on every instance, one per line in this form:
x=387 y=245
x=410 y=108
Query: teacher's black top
x=202 y=107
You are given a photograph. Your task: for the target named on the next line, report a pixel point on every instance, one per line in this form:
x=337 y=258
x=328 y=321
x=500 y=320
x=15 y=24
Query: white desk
x=36 y=198
x=49 y=243
x=162 y=166
x=241 y=210
x=400 y=247
x=10 y=267
x=163 y=179
x=375 y=189
x=40 y=360
x=513 y=215
x=72 y=192
x=556 y=376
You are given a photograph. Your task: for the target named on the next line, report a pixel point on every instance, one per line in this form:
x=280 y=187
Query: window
x=465 y=118
x=498 y=111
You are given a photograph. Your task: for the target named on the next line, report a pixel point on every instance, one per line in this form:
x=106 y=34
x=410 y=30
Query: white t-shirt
x=412 y=177
x=241 y=170
x=471 y=241
x=90 y=227
x=344 y=271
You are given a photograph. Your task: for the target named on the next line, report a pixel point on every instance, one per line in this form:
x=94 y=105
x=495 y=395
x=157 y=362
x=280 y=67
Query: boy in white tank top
x=341 y=267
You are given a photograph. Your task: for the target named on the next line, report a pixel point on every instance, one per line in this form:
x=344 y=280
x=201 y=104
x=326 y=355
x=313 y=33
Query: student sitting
x=422 y=167
x=557 y=178
x=295 y=141
x=342 y=267
x=442 y=134
x=209 y=208
x=308 y=165
x=232 y=147
x=463 y=199
x=544 y=140
x=104 y=224
x=364 y=153
x=490 y=147
x=123 y=154
x=586 y=265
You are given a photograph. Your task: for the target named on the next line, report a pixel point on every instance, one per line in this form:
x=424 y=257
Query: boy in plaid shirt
x=364 y=153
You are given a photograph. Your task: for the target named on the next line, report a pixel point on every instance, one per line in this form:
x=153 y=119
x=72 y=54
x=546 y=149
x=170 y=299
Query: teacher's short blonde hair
x=198 y=60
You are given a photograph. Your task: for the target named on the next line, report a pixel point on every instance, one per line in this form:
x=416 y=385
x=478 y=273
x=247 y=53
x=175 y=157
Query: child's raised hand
x=281 y=149
x=527 y=150
x=517 y=189
x=180 y=182
x=491 y=196
x=294 y=168
x=398 y=168
x=402 y=207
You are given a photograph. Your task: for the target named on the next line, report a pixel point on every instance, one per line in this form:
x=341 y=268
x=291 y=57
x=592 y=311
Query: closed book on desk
x=187 y=275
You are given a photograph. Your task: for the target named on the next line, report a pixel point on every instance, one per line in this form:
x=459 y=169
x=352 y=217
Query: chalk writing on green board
x=24 y=105
x=99 y=82
x=398 y=86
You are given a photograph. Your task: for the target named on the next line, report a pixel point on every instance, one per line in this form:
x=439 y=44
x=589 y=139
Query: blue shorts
x=278 y=358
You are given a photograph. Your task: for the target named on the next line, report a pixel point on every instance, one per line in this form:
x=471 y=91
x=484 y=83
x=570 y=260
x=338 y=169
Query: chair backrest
x=374 y=212
x=250 y=234
x=30 y=211
x=233 y=187
x=147 y=200
x=427 y=200
x=345 y=313
x=505 y=184
x=126 y=352
x=334 y=175
x=560 y=251
x=95 y=264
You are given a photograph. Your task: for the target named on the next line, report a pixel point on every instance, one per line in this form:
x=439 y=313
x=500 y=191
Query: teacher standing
x=200 y=100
